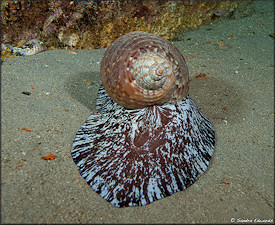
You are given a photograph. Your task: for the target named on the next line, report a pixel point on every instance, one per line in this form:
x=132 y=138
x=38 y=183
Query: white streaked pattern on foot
x=134 y=157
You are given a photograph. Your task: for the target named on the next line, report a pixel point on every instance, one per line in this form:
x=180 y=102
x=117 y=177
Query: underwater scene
x=137 y=111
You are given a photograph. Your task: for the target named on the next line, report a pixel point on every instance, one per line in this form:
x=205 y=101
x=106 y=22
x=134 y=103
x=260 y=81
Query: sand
x=237 y=94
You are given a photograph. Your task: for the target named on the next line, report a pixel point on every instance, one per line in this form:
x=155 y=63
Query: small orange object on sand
x=26 y=129
x=205 y=43
x=49 y=157
x=200 y=75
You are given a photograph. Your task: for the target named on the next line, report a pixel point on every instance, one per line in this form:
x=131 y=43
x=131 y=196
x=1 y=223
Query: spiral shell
x=141 y=69
x=131 y=154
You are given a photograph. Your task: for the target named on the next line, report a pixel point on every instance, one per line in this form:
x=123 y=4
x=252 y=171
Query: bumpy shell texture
x=140 y=69
x=132 y=157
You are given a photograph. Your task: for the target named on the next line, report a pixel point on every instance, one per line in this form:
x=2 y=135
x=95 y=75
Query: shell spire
x=140 y=69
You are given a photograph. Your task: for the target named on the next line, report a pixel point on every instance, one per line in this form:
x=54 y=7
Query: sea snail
x=30 y=48
x=147 y=138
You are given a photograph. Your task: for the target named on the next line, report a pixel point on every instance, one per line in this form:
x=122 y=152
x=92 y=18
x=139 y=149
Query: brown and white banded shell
x=141 y=69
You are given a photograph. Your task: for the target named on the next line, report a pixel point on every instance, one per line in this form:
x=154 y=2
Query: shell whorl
x=140 y=69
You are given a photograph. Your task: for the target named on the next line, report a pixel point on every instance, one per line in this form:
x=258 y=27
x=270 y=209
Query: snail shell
x=132 y=156
x=30 y=48
x=141 y=69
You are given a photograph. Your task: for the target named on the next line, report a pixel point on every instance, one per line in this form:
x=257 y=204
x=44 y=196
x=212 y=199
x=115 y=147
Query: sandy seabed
x=237 y=95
